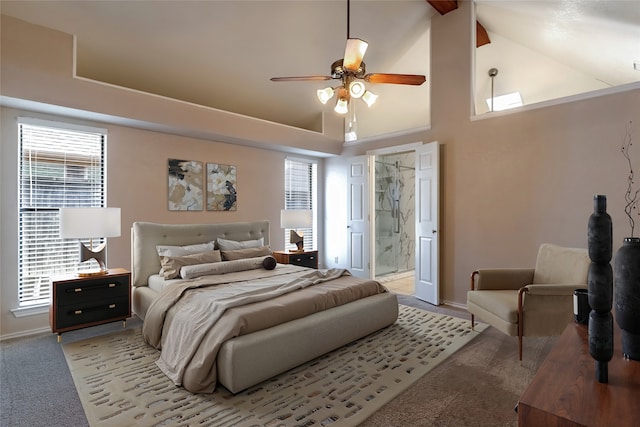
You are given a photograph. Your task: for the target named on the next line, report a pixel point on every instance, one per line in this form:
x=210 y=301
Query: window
x=60 y=165
x=300 y=192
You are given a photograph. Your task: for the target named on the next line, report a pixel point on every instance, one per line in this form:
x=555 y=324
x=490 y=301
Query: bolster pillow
x=193 y=271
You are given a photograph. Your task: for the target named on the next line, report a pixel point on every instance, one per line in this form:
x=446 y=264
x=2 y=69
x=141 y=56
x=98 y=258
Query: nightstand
x=80 y=302
x=304 y=258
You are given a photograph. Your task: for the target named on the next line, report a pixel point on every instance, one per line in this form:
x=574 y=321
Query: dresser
x=305 y=258
x=80 y=302
x=565 y=392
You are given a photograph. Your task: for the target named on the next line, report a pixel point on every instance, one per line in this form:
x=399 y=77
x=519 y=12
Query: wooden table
x=565 y=392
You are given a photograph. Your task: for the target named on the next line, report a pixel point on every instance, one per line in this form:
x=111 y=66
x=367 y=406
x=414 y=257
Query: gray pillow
x=245 y=253
x=171 y=265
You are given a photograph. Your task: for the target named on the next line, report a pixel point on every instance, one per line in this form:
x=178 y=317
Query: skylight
x=504 y=102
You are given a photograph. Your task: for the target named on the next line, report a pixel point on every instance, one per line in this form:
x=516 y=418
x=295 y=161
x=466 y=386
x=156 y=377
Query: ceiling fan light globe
x=324 y=95
x=369 y=97
x=342 y=106
x=356 y=89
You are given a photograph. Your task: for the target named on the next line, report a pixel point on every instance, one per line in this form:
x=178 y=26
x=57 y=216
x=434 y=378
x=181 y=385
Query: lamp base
x=92 y=273
x=296 y=238
x=98 y=254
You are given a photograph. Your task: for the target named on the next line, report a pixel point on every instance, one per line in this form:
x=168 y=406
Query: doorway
x=361 y=224
x=394 y=207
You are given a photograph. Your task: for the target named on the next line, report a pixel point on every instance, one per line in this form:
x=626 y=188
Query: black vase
x=600 y=284
x=601 y=342
x=627 y=300
x=600 y=232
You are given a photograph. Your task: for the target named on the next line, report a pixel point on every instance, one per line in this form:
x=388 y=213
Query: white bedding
x=184 y=319
x=261 y=342
x=158 y=283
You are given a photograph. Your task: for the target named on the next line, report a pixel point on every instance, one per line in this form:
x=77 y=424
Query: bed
x=251 y=352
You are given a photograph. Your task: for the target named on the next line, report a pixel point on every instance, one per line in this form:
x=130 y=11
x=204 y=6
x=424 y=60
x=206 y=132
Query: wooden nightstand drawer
x=82 y=313
x=304 y=259
x=96 y=289
x=79 y=302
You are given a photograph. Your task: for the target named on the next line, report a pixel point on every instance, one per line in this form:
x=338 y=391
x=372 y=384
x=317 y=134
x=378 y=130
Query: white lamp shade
x=342 y=106
x=369 y=98
x=325 y=94
x=296 y=218
x=77 y=223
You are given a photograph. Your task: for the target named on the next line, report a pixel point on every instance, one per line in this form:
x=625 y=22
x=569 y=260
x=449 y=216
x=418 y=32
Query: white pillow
x=230 y=245
x=173 y=251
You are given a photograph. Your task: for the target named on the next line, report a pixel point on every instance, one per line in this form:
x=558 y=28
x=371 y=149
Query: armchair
x=530 y=301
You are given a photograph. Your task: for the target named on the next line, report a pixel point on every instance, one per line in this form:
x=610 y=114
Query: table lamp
x=293 y=219
x=90 y=223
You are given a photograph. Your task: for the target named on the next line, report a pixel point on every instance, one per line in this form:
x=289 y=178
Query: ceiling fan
x=351 y=71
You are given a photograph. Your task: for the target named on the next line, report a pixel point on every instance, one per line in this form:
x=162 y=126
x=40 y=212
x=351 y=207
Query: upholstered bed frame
x=249 y=359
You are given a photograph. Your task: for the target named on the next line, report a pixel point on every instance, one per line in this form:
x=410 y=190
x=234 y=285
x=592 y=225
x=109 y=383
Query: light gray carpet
x=36 y=387
x=119 y=383
x=478 y=386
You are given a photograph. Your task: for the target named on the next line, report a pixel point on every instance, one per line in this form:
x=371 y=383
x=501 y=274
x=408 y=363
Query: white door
x=358 y=217
x=427 y=208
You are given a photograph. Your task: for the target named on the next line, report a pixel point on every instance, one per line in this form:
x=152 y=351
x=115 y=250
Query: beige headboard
x=146 y=235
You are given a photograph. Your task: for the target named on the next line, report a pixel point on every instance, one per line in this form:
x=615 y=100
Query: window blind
x=59 y=166
x=300 y=192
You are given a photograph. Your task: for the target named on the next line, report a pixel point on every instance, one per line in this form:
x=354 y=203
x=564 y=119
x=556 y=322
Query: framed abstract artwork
x=221 y=187
x=185 y=185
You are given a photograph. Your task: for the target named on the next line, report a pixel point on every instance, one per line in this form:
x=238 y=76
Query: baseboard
x=454 y=304
x=23 y=334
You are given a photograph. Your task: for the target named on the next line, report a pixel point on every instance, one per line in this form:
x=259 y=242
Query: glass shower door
x=386 y=210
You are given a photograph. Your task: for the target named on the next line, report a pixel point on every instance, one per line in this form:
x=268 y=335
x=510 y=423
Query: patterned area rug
x=120 y=385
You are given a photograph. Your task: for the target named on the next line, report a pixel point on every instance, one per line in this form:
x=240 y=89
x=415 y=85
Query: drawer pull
x=112 y=285
x=77 y=312
x=312 y=257
x=77 y=290
x=112 y=306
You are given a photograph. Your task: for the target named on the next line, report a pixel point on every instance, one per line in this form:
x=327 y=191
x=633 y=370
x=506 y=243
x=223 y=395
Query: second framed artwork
x=221 y=187
x=185 y=186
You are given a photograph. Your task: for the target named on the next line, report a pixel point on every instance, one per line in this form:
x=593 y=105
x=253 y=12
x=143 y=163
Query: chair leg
x=520 y=347
x=473 y=323
x=521 y=292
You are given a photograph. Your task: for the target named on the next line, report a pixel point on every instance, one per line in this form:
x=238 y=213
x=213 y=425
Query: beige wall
x=137 y=183
x=37 y=68
x=509 y=182
x=512 y=181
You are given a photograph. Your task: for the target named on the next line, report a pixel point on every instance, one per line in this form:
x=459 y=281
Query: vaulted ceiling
x=223 y=53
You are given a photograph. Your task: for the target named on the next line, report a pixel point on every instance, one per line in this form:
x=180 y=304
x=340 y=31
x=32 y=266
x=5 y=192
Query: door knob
x=434 y=231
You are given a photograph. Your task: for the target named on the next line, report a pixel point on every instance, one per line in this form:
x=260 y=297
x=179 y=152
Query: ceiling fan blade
x=399 y=79
x=300 y=78
x=353 y=54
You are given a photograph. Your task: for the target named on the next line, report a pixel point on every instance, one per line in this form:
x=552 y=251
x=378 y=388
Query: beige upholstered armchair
x=530 y=302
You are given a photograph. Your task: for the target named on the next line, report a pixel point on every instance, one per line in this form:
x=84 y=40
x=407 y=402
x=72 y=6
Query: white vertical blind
x=59 y=166
x=300 y=192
